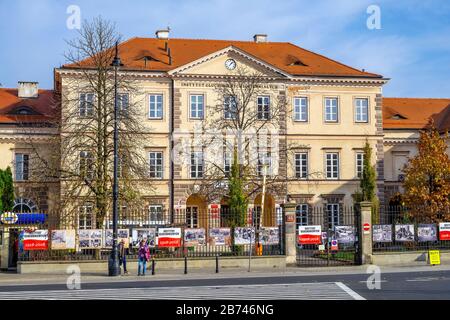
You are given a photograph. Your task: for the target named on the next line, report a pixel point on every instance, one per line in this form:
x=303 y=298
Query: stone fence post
x=290 y=234
x=365 y=233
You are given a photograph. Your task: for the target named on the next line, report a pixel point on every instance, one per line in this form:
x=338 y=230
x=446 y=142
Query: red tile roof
x=42 y=107
x=415 y=113
x=282 y=55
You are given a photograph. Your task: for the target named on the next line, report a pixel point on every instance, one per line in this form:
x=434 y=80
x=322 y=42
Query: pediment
x=214 y=64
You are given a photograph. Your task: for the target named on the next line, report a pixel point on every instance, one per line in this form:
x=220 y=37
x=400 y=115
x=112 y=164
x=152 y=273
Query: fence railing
x=409 y=229
x=188 y=232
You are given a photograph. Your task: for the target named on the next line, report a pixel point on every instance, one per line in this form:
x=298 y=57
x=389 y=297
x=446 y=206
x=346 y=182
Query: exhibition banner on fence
x=147 y=234
x=382 y=233
x=244 y=235
x=122 y=234
x=194 y=237
x=269 y=235
x=169 y=237
x=309 y=235
x=63 y=239
x=90 y=238
x=220 y=236
x=35 y=240
x=426 y=232
x=404 y=232
x=344 y=234
x=444 y=231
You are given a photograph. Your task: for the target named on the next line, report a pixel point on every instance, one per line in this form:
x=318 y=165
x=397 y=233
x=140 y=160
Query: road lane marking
x=352 y=293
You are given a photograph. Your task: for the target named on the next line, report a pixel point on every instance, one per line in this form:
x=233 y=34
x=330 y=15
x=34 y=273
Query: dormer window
x=398 y=116
x=23 y=110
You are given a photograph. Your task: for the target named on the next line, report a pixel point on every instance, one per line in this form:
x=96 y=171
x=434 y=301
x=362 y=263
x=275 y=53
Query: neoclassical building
x=330 y=111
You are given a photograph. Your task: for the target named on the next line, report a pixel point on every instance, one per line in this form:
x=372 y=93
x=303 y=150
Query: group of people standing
x=143 y=257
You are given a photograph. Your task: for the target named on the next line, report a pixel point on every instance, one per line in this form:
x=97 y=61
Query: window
x=301 y=213
x=263 y=103
x=156 y=164
x=156 y=106
x=301 y=165
x=264 y=160
x=85 y=216
x=332 y=165
x=86 y=104
x=331 y=109
x=192 y=217
x=227 y=160
x=359 y=164
x=156 y=214
x=361 y=110
x=301 y=109
x=123 y=102
x=86 y=165
x=21 y=166
x=230 y=107
x=333 y=214
x=197 y=106
x=196 y=165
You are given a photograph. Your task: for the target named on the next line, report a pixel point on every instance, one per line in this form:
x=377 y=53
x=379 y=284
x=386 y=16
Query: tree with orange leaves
x=427 y=178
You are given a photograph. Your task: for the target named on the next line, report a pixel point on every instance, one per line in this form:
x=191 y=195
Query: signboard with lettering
x=35 y=240
x=169 y=237
x=444 y=231
x=435 y=257
x=309 y=234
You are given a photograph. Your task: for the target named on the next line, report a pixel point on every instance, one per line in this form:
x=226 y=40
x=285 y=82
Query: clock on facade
x=230 y=64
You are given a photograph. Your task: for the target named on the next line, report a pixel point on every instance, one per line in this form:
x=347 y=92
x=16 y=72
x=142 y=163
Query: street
x=403 y=284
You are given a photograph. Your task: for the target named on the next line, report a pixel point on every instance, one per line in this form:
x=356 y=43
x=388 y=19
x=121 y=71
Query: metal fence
x=203 y=233
x=339 y=235
x=400 y=229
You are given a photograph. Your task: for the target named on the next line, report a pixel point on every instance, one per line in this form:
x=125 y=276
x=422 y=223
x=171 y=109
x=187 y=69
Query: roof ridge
x=204 y=39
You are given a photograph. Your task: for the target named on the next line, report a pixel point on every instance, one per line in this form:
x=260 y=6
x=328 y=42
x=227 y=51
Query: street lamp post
x=113 y=265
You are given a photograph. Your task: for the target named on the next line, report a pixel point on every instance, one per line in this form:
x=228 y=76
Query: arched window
x=22 y=205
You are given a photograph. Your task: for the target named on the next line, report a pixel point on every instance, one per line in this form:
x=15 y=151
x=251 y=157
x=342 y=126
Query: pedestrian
x=143 y=256
x=123 y=256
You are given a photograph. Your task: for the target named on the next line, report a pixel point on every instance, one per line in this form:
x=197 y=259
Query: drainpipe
x=171 y=129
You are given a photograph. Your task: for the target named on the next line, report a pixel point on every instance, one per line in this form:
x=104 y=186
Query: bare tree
x=82 y=155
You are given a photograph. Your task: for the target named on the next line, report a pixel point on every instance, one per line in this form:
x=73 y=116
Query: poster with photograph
x=220 y=236
x=309 y=235
x=244 y=235
x=344 y=234
x=404 y=232
x=90 y=238
x=269 y=235
x=62 y=239
x=35 y=240
x=122 y=234
x=444 y=231
x=382 y=233
x=194 y=237
x=147 y=234
x=426 y=232
x=169 y=237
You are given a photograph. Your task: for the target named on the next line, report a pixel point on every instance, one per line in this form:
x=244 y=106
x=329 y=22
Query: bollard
x=185 y=265
x=153 y=267
x=217 y=264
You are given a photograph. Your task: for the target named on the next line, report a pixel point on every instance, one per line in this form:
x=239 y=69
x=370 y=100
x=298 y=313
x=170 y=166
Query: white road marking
x=289 y=291
x=350 y=291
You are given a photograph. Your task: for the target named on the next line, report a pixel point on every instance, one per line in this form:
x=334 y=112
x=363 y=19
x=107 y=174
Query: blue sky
x=412 y=47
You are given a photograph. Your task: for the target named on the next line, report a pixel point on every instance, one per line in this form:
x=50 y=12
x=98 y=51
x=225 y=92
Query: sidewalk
x=7 y=279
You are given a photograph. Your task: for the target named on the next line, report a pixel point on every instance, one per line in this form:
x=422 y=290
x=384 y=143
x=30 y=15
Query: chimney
x=162 y=34
x=28 y=89
x=260 y=38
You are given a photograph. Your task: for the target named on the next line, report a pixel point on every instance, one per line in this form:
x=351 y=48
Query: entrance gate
x=339 y=239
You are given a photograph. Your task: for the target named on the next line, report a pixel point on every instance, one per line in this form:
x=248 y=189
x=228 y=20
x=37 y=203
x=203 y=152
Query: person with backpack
x=143 y=256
